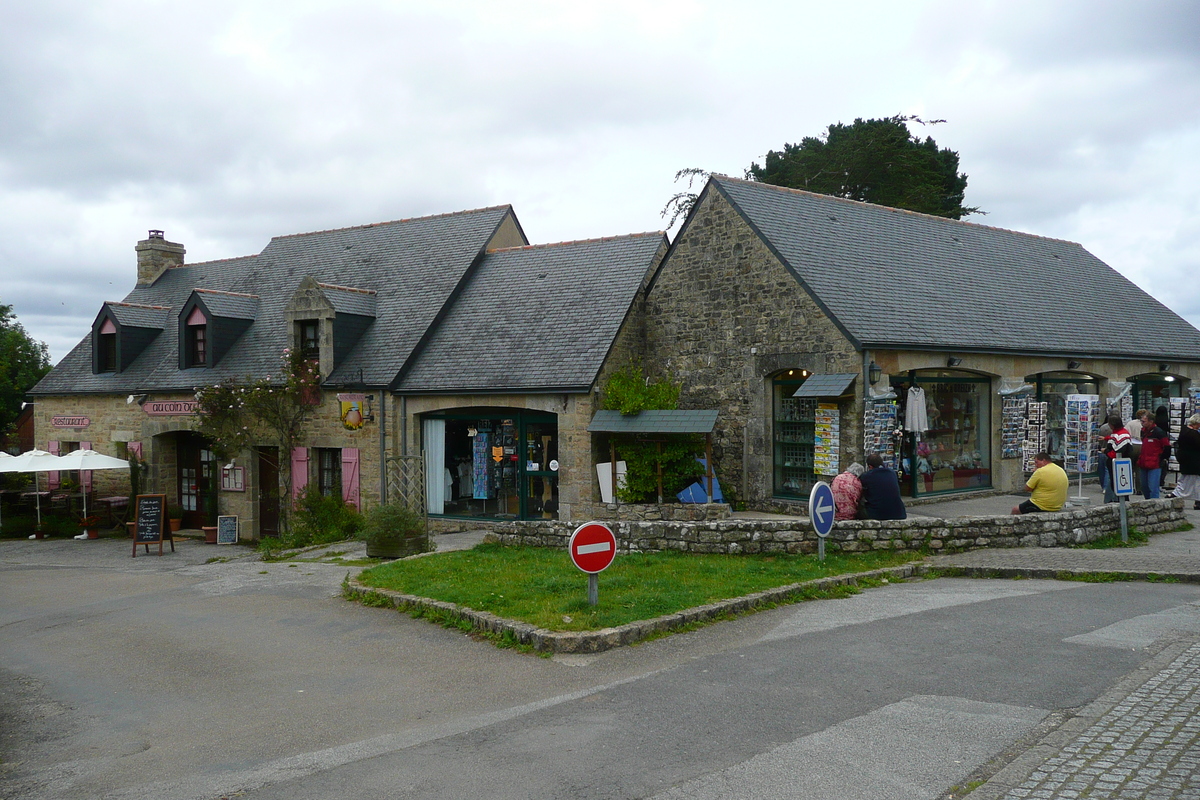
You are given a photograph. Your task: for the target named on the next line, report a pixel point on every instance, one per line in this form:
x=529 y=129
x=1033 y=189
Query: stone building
x=807 y=319
x=447 y=335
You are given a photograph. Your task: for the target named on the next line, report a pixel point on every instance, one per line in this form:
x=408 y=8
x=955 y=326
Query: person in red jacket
x=1153 y=457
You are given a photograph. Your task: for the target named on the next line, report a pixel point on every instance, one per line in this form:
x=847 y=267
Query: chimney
x=156 y=255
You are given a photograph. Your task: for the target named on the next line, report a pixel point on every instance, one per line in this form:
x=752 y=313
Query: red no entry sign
x=593 y=547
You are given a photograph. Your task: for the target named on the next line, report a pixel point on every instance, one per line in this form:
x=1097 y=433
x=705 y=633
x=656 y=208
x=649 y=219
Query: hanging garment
x=481 y=452
x=916 y=417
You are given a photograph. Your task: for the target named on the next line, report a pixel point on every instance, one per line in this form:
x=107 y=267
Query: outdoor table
x=112 y=504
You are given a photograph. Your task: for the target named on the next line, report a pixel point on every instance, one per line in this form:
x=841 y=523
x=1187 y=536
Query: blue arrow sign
x=820 y=508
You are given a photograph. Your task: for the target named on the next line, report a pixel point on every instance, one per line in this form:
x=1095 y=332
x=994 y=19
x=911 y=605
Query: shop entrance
x=1053 y=388
x=491 y=463
x=947 y=440
x=197 y=480
x=1154 y=391
x=268 y=491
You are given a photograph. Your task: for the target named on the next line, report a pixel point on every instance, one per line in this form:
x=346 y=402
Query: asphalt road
x=170 y=678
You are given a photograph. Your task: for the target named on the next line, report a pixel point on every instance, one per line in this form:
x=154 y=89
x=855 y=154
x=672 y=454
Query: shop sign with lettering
x=164 y=408
x=65 y=421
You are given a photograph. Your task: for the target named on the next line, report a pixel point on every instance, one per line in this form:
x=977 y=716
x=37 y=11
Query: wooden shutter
x=350 y=475
x=299 y=471
x=52 y=480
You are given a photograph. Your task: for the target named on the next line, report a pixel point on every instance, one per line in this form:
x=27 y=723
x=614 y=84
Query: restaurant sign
x=165 y=408
x=65 y=421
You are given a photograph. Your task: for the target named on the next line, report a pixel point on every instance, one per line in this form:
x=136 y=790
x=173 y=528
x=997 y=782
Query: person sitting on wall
x=1049 y=486
x=847 y=492
x=881 y=491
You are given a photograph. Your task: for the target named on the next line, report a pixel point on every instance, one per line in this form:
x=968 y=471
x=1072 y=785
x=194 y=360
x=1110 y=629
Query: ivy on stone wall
x=629 y=391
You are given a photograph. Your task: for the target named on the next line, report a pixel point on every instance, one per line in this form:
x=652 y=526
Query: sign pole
x=1124 y=523
x=593 y=588
x=821 y=513
x=592 y=548
x=1123 y=486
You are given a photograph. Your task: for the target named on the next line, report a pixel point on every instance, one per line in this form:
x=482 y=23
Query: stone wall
x=737 y=536
x=724 y=316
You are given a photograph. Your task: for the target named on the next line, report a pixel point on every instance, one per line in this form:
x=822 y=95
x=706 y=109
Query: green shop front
x=491 y=463
x=946 y=444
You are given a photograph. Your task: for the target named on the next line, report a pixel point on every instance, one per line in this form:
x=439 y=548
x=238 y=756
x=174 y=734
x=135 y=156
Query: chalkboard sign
x=151 y=512
x=227 y=530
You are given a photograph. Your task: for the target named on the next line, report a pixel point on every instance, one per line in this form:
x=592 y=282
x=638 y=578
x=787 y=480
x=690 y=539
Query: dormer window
x=308 y=334
x=197 y=339
x=106 y=348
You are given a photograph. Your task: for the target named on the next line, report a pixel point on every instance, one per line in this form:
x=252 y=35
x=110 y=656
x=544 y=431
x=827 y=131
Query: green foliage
x=876 y=161
x=236 y=415
x=23 y=362
x=680 y=204
x=317 y=519
x=629 y=391
x=393 y=523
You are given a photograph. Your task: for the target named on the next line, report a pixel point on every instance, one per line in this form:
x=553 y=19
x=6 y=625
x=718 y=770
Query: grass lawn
x=542 y=587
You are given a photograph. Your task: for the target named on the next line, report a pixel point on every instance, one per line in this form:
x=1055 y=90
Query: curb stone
x=576 y=642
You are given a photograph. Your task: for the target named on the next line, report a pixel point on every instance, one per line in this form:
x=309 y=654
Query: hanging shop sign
x=354 y=410
x=170 y=408
x=65 y=421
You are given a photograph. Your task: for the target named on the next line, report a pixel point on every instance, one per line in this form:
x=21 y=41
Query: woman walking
x=1187 y=453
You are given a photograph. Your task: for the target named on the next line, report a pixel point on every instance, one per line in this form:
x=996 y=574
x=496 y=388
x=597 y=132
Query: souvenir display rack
x=1082 y=433
x=1014 y=424
x=1035 y=434
x=1177 y=413
x=794 y=435
x=826 y=439
x=880 y=421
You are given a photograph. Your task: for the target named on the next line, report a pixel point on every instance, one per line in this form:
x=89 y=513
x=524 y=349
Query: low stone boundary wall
x=651 y=512
x=1076 y=526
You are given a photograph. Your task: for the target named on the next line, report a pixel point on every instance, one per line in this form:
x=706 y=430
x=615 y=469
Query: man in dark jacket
x=1187 y=453
x=881 y=491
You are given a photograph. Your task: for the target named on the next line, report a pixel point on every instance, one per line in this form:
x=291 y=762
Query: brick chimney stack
x=155 y=255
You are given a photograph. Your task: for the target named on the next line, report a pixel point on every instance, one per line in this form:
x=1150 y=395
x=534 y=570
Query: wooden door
x=268 y=491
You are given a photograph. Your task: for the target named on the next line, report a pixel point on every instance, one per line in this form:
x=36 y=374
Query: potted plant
x=175 y=517
x=88 y=527
x=395 y=531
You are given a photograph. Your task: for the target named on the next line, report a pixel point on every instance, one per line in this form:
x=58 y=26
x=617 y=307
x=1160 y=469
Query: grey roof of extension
x=414 y=266
x=141 y=316
x=229 y=304
x=680 y=421
x=541 y=317
x=893 y=278
x=346 y=300
x=833 y=384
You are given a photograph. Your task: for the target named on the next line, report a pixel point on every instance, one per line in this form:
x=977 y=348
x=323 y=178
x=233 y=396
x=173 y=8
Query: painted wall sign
x=64 y=421
x=354 y=410
x=165 y=408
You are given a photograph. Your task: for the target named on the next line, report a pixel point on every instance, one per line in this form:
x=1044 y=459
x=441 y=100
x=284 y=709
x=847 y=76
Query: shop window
x=329 y=471
x=1053 y=388
x=794 y=426
x=107 y=353
x=947 y=442
x=1154 y=392
x=492 y=463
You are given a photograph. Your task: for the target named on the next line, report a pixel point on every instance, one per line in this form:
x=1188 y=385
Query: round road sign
x=593 y=547
x=820 y=508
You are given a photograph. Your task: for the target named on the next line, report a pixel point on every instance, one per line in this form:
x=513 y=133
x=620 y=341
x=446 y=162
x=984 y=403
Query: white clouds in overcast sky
x=226 y=123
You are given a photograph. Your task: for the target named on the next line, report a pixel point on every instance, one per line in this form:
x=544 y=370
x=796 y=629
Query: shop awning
x=833 y=384
x=701 y=421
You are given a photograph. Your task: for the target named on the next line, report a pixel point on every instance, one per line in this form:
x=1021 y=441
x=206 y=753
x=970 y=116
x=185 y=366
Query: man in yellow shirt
x=1049 y=486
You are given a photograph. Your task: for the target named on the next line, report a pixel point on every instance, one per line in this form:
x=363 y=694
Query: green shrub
x=317 y=519
x=392 y=530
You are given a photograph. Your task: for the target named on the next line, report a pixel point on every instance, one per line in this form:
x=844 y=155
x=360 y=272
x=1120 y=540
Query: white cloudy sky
x=225 y=123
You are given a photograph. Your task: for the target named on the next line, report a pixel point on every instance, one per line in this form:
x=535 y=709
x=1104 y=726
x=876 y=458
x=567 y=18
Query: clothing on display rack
x=916 y=416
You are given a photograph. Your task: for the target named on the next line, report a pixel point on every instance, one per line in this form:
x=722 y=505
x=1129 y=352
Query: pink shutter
x=135 y=448
x=85 y=475
x=299 y=471
x=52 y=481
x=350 y=475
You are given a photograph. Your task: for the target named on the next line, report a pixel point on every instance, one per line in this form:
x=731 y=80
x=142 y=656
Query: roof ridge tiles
x=230 y=294
x=891 y=208
x=575 y=241
x=345 y=288
x=394 y=222
x=136 y=305
x=213 y=261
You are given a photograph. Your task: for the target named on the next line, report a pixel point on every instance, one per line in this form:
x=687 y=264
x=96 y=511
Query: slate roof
x=833 y=384
x=893 y=278
x=141 y=316
x=682 y=421
x=230 y=304
x=414 y=265
x=541 y=317
x=348 y=300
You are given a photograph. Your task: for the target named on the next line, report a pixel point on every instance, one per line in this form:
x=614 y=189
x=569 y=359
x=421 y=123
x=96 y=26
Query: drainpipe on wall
x=403 y=426
x=383 y=393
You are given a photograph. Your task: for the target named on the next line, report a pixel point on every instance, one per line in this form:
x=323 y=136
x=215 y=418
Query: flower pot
x=92 y=533
x=175 y=525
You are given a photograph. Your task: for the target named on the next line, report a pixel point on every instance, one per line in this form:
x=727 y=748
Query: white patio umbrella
x=34 y=461
x=89 y=460
x=3 y=457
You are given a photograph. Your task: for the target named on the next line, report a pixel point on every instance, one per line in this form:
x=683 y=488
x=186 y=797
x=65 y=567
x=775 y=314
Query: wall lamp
x=1074 y=364
x=1163 y=367
x=135 y=398
x=953 y=361
x=874 y=372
